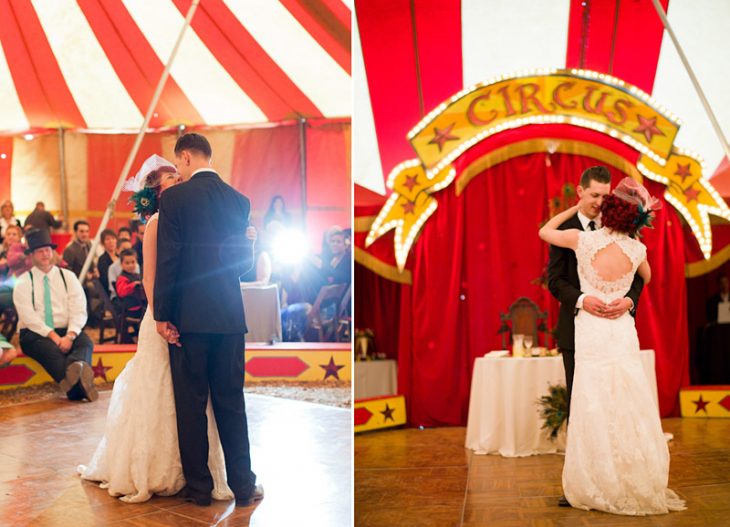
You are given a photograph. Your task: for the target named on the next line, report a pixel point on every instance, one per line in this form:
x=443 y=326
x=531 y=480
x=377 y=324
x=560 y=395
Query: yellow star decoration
x=689 y=192
x=409 y=206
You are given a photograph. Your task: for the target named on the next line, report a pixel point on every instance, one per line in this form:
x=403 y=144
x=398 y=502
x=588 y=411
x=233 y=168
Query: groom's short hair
x=194 y=142
x=597 y=173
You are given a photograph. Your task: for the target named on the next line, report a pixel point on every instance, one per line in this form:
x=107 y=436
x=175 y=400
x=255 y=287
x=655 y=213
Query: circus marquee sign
x=575 y=97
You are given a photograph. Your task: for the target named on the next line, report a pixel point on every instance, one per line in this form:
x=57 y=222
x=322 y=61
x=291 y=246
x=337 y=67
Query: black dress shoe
x=193 y=497
x=256 y=495
x=563 y=502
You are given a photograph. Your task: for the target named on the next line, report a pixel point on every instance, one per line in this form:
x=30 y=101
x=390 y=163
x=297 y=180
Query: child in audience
x=129 y=284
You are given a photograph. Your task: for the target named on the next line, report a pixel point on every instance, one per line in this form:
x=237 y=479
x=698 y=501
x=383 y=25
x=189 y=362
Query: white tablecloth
x=263 y=316
x=503 y=409
x=374 y=378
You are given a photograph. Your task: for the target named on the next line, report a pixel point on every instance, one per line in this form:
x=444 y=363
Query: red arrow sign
x=16 y=374
x=362 y=416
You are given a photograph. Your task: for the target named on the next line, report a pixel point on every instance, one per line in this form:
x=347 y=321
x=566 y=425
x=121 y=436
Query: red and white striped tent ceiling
x=410 y=55
x=94 y=64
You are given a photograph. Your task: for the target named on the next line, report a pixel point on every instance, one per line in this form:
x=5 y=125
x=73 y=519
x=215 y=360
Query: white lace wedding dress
x=139 y=454
x=616 y=457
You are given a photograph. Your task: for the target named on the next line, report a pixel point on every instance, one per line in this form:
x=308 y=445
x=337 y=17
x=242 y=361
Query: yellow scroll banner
x=576 y=97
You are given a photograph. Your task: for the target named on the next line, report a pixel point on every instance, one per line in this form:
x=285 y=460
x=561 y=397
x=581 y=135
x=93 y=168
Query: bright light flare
x=290 y=246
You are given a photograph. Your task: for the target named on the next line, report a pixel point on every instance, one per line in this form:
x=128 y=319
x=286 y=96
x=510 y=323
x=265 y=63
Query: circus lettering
x=574 y=97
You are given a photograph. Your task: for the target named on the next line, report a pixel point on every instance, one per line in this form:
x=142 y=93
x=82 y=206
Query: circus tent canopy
x=94 y=64
x=267 y=80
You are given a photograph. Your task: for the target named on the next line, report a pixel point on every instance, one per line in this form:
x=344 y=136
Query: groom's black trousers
x=212 y=363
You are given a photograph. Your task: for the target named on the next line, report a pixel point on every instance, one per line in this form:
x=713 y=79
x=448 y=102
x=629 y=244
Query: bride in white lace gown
x=139 y=455
x=616 y=458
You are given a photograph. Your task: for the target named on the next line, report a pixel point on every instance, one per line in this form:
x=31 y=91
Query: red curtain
x=480 y=251
x=328 y=178
x=378 y=309
x=266 y=162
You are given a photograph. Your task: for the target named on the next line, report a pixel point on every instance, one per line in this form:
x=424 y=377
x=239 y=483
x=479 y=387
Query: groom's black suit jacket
x=202 y=250
x=564 y=285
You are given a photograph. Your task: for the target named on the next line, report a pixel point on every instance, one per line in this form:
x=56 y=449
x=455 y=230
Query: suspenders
x=32 y=285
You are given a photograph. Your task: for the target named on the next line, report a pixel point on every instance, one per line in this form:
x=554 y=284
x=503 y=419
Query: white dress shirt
x=69 y=307
x=584 y=221
x=209 y=169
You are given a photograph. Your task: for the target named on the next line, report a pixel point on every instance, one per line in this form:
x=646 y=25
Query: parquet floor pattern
x=426 y=478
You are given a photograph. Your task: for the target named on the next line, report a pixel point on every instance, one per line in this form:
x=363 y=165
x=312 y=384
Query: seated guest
x=124 y=233
x=7 y=217
x=41 y=219
x=51 y=308
x=115 y=269
x=129 y=284
x=17 y=260
x=75 y=254
x=13 y=263
x=713 y=304
x=7 y=351
x=109 y=242
x=294 y=305
x=138 y=243
x=277 y=212
x=338 y=270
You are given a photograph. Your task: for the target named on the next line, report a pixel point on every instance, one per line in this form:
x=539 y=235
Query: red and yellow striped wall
x=282 y=362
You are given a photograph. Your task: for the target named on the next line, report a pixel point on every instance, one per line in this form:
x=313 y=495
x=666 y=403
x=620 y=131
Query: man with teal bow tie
x=51 y=307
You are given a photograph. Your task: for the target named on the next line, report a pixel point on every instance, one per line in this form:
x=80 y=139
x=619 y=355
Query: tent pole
x=138 y=141
x=303 y=167
x=62 y=171
x=693 y=78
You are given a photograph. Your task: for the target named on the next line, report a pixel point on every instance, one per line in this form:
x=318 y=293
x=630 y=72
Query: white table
x=375 y=378
x=263 y=315
x=503 y=410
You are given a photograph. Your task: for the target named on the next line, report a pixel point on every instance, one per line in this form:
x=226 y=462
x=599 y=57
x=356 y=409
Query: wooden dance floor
x=301 y=452
x=425 y=478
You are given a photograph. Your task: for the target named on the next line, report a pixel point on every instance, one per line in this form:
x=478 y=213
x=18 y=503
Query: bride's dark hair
x=619 y=215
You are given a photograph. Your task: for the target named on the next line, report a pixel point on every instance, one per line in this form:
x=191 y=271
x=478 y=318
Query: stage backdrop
x=477 y=254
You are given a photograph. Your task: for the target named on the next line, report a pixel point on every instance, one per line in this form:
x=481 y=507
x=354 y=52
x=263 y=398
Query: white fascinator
x=633 y=192
x=151 y=164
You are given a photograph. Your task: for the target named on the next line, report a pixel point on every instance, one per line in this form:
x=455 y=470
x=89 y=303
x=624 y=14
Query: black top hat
x=38 y=238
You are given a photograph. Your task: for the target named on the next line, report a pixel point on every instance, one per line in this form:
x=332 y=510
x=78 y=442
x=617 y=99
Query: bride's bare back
x=611 y=263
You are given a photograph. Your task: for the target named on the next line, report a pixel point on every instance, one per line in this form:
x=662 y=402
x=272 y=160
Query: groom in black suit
x=202 y=249
x=563 y=281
